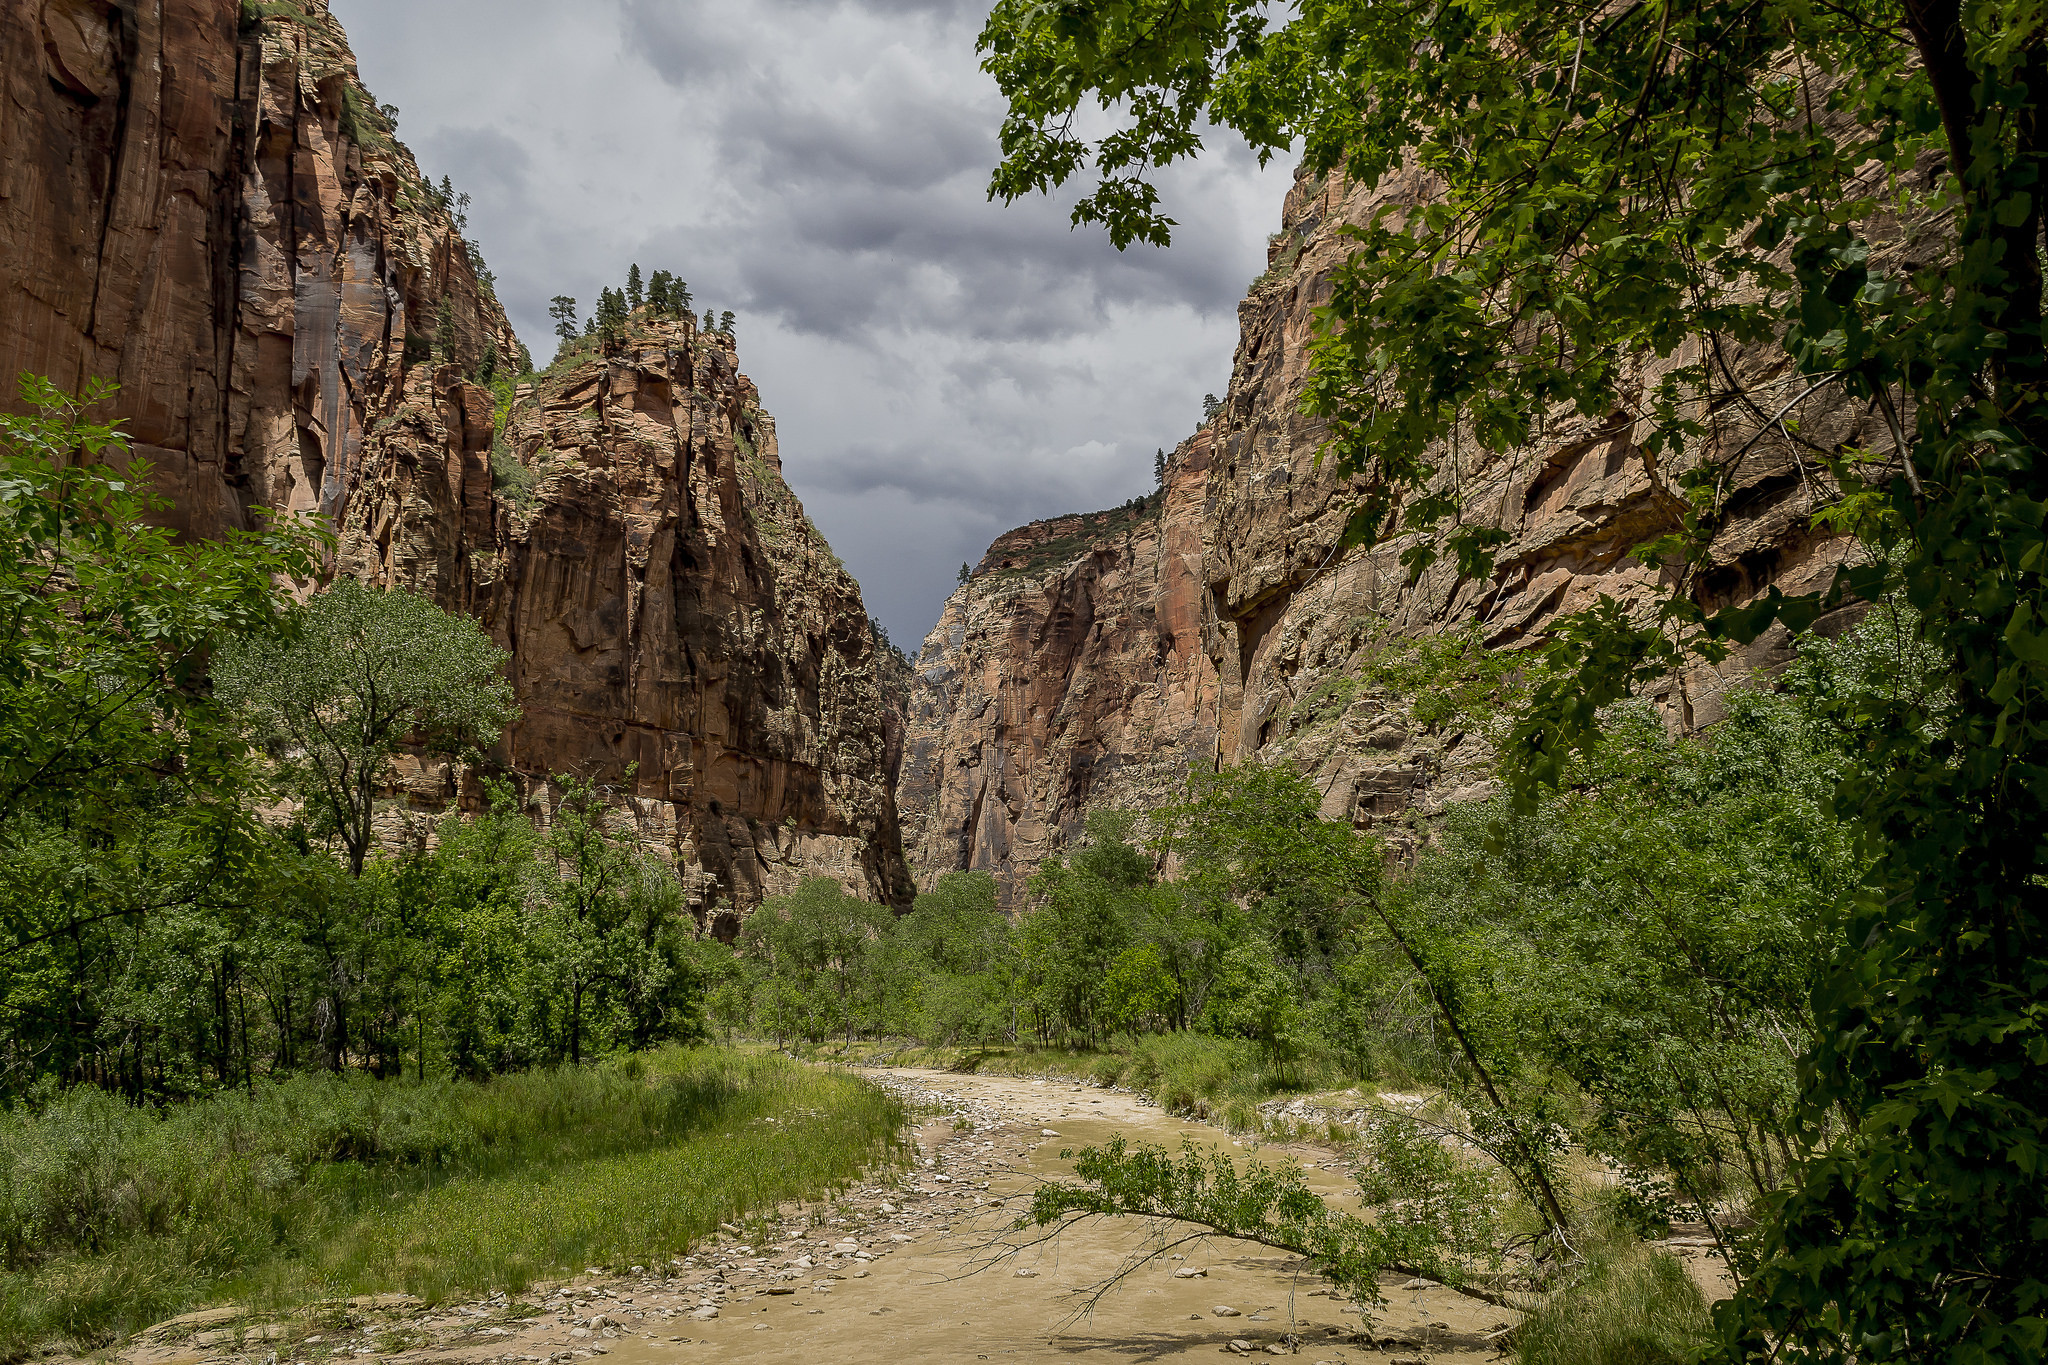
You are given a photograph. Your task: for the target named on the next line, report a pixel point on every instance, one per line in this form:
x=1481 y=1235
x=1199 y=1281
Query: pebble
x=704 y=1314
x=1224 y=1310
x=1190 y=1273
x=1027 y=1273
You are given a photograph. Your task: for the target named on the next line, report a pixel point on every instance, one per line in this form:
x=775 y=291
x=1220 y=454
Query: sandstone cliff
x=199 y=200
x=679 y=630
x=1234 y=624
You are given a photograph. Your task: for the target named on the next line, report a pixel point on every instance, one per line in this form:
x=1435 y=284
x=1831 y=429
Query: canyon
x=200 y=201
x=205 y=205
x=1092 y=662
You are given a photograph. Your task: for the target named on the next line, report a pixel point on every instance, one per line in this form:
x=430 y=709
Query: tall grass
x=113 y=1217
x=1633 y=1306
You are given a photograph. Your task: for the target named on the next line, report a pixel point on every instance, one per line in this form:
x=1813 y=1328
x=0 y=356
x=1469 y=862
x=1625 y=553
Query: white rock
x=1224 y=1310
x=1047 y=1132
x=1188 y=1272
x=704 y=1313
x=1027 y=1273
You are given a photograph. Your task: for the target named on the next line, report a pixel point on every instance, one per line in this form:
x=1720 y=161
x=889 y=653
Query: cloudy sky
x=941 y=368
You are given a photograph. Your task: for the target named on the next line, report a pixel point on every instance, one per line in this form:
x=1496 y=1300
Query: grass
x=1634 y=1305
x=113 y=1217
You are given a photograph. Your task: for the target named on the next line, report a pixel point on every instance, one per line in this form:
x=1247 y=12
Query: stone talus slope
x=213 y=212
x=1287 y=622
x=215 y=215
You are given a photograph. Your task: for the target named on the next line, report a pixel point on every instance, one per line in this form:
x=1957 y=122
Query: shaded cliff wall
x=680 y=632
x=215 y=215
x=205 y=205
x=1070 y=670
x=1289 y=623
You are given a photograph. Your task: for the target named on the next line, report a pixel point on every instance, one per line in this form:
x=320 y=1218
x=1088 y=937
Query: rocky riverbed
x=915 y=1264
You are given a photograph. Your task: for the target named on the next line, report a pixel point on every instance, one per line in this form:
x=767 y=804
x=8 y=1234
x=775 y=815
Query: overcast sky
x=940 y=368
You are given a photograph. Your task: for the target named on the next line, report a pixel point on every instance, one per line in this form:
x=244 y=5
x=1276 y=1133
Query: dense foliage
x=1591 y=210
x=160 y=939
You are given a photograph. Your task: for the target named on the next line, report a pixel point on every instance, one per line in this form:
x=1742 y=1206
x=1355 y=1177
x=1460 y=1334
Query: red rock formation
x=211 y=210
x=679 y=630
x=1069 y=679
x=214 y=214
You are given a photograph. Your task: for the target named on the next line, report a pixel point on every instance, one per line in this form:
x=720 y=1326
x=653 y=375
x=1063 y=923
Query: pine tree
x=611 y=317
x=658 y=291
x=562 y=309
x=1211 y=405
x=710 y=322
x=965 y=572
x=725 y=321
x=679 y=293
x=487 y=368
x=634 y=297
x=1159 y=467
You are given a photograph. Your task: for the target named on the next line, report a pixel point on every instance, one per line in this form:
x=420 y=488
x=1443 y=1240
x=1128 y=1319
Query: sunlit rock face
x=1231 y=623
x=211 y=210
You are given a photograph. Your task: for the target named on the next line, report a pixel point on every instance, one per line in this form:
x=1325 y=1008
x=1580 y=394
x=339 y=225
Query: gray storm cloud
x=941 y=368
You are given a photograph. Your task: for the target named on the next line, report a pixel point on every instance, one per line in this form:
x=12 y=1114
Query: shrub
x=1634 y=1307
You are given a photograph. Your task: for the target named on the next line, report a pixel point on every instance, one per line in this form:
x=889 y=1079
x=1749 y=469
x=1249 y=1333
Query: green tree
x=562 y=309
x=106 y=620
x=611 y=317
x=725 y=323
x=817 y=945
x=616 y=932
x=1604 y=185
x=361 y=674
x=634 y=294
x=128 y=855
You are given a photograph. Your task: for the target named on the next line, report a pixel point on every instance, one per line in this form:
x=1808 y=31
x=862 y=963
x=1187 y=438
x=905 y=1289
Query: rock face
x=679 y=631
x=212 y=211
x=1097 y=667
x=199 y=200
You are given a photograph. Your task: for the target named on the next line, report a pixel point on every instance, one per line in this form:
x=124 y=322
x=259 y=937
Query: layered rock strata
x=200 y=201
x=1237 y=625
x=680 y=632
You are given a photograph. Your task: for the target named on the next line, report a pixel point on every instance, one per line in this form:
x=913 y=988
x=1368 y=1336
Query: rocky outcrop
x=200 y=201
x=1068 y=671
x=1240 y=626
x=680 y=632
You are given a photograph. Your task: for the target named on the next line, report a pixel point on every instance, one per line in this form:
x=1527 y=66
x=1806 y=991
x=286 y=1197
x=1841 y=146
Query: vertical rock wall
x=1238 y=626
x=680 y=633
x=213 y=213
x=199 y=200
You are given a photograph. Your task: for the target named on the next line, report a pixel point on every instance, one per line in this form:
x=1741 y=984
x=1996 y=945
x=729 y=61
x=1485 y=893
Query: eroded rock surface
x=215 y=215
x=1097 y=667
x=200 y=201
x=680 y=632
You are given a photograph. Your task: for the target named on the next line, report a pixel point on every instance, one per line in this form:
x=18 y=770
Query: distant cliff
x=199 y=199
x=1092 y=661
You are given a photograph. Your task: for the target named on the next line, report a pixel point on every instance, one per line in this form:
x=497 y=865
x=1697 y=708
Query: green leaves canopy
x=1571 y=191
x=361 y=673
